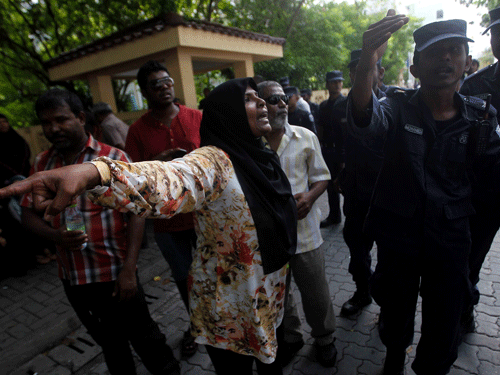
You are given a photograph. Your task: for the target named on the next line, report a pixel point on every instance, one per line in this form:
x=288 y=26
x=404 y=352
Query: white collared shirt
x=301 y=159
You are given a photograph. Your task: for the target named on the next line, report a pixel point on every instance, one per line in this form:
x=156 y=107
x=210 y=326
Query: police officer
x=421 y=204
x=297 y=116
x=332 y=147
x=306 y=94
x=301 y=103
x=357 y=181
x=486 y=222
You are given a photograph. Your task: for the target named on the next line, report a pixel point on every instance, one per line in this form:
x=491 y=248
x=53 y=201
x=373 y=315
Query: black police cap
x=494 y=18
x=291 y=90
x=434 y=32
x=284 y=81
x=335 y=75
x=355 y=56
x=305 y=92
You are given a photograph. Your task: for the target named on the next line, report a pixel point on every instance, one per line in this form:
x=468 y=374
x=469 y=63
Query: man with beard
x=165 y=132
x=300 y=157
x=97 y=267
x=421 y=204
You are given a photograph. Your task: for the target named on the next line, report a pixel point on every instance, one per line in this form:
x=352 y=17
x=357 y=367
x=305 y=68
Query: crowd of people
x=234 y=190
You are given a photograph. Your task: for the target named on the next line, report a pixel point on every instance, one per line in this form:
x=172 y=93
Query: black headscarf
x=14 y=156
x=265 y=185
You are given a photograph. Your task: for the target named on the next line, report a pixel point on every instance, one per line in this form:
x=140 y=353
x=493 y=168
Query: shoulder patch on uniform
x=477 y=102
x=414 y=129
x=481 y=96
x=394 y=91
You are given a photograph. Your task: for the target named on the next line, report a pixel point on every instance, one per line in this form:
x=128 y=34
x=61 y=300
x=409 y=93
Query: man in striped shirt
x=301 y=159
x=97 y=267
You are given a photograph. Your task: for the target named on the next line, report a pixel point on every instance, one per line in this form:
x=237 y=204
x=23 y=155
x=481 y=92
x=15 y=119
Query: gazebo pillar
x=180 y=66
x=243 y=69
x=101 y=90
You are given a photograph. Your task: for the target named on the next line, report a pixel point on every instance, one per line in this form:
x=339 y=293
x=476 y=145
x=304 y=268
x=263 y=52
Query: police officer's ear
x=381 y=73
x=414 y=71
x=468 y=63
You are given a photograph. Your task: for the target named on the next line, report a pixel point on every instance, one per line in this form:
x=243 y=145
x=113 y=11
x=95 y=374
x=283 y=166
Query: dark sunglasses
x=275 y=99
x=159 y=83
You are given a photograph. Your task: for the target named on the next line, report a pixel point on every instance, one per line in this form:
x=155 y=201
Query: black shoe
x=394 y=362
x=326 y=354
x=286 y=351
x=359 y=300
x=329 y=222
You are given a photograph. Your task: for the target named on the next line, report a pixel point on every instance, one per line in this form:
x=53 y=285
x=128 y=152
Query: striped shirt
x=101 y=260
x=301 y=159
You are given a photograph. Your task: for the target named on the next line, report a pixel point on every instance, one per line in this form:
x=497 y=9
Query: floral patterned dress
x=233 y=304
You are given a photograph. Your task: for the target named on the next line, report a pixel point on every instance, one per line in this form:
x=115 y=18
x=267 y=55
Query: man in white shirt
x=301 y=159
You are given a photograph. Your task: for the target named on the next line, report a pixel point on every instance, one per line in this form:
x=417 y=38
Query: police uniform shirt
x=482 y=83
x=330 y=134
x=302 y=118
x=362 y=164
x=426 y=171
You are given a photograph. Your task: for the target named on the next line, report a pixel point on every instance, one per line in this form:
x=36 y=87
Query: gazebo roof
x=151 y=27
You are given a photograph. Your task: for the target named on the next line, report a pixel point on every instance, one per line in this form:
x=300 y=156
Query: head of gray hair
x=101 y=108
x=262 y=87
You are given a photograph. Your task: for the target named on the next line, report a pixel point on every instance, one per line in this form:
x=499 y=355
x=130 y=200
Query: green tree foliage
x=319 y=38
x=34 y=31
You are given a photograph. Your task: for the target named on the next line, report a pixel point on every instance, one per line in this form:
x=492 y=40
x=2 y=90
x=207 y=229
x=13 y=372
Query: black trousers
x=359 y=242
x=430 y=258
x=113 y=325
x=333 y=165
x=484 y=226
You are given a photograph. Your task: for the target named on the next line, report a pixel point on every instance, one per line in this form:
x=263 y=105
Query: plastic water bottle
x=74 y=220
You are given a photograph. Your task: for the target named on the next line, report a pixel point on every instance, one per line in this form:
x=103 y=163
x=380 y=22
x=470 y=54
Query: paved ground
x=39 y=333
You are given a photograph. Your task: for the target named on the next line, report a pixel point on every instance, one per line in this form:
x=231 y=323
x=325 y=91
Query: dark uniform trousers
x=430 y=259
x=360 y=243
x=113 y=325
x=357 y=181
x=486 y=222
x=332 y=147
x=419 y=217
x=484 y=227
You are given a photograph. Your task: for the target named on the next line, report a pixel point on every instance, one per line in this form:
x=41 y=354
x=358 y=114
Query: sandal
x=188 y=345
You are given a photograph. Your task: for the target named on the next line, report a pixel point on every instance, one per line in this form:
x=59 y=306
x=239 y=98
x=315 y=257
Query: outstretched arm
x=146 y=189
x=53 y=190
x=374 y=45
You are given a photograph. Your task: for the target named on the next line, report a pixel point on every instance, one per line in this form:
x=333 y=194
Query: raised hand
x=376 y=37
x=374 y=45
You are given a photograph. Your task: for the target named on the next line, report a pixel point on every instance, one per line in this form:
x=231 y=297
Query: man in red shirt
x=98 y=266
x=165 y=132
